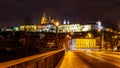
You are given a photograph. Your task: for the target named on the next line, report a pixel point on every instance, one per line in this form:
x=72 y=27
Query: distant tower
x=68 y=22
x=28 y=20
x=49 y=20
x=44 y=19
x=99 y=25
x=64 y=22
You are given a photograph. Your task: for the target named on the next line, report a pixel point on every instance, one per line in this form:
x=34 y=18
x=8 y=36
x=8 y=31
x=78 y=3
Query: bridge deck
x=71 y=60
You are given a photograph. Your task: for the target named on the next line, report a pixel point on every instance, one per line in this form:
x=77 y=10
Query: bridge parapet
x=45 y=60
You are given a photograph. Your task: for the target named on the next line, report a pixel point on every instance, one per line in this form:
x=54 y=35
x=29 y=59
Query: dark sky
x=13 y=12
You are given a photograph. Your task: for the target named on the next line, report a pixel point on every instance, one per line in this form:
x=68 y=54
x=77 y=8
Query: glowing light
x=67 y=36
x=16 y=28
x=71 y=33
x=57 y=23
x=64 y=22
x=68 y=22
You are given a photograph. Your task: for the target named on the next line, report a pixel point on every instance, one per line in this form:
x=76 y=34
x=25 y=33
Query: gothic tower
x=44 y=19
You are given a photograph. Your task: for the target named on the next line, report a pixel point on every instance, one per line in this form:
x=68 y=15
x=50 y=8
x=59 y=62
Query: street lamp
x=57 y=24
x=67 y=36
x=71 y=33
x=114 y=42
x=102 y=37
x=89 y=35
x=101 y=29
x=67 y=41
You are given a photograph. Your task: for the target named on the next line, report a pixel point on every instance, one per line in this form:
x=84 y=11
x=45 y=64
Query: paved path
x=71 y=60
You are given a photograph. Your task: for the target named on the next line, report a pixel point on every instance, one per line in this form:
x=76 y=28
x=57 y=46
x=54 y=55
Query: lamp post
x=102 y=38
x=101 y=29
x=57 y=24
x=68 y=37
x=114 y=42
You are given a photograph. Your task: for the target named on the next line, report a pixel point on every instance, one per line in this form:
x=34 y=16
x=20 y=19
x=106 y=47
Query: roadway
x=91 y=59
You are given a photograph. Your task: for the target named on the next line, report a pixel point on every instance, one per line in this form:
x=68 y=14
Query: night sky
x=13 y=12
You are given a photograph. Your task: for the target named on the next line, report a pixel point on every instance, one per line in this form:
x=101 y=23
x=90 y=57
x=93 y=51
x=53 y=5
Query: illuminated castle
x=48 y=25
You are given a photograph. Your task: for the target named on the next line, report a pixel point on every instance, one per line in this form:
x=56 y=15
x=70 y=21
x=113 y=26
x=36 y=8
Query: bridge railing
x=45 y=60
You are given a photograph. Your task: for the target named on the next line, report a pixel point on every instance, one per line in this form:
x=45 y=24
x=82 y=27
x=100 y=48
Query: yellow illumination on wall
x=29 y=28
x=22 y=28
x=85 y=43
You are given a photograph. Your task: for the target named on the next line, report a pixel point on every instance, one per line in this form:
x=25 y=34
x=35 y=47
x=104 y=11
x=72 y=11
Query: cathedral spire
x=44 y=19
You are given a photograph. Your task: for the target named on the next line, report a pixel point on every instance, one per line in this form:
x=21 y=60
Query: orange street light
x=57 y=23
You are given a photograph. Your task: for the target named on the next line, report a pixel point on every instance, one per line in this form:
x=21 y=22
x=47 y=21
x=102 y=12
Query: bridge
x=62 y=58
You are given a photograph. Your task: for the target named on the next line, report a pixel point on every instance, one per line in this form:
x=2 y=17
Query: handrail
x=26 y=59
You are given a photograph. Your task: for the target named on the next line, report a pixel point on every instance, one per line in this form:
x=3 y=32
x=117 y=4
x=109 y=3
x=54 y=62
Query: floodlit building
x=28 y=28
x=44 y=20
x=63 y=28
x=73 y=28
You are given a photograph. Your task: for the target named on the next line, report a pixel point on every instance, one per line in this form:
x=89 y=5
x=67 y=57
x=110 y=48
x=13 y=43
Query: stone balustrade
x=45 y=60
